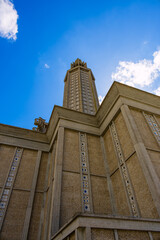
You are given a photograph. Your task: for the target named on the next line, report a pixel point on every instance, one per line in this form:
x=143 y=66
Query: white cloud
x=157 y=91
x=145 y=42
x=46 y=65
x=100 y=98
x=8 y=20
x=143 y=73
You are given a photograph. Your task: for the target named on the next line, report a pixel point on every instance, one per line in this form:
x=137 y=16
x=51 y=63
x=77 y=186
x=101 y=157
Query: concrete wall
x=71 y=184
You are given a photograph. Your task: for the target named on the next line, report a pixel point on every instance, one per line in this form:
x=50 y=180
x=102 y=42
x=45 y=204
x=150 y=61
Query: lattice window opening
x=84 y=170
x=9 y=182
x=153 y=124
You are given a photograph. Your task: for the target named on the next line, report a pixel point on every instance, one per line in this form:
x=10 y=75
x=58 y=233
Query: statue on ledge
x=41 y=125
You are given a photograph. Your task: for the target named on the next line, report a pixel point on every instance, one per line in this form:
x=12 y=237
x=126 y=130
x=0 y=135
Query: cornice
x=8 y=130
x=69 y=115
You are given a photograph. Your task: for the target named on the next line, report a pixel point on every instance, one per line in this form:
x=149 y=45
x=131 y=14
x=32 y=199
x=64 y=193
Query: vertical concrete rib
x=143 y=156
x=44 y=198
x=83 y=233
x=31 y=198
x=110 y=187
x=109 y=182
x=48 y=218
x=57 y=182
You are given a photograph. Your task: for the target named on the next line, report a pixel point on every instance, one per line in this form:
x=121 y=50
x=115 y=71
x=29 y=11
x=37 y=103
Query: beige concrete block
x=71 y=151
x=123 y=134
x=96 y=162
x=144 y=129
x=98 y=234
x=71 y=196
x=111 y=155
x=26 y=169
x=156 y=235
x=14 y=220
x=100 y=196
x=142 y=193
x=42 y=173
x=133 y=235
x=6 y=157
x=155 y=158
x=120 y=195
x=35 y=217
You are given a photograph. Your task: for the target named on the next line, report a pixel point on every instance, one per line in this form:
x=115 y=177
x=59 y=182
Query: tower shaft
x=80 y=92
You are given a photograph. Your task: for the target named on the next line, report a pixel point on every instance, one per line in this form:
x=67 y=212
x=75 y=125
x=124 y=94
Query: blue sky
x=119 y=40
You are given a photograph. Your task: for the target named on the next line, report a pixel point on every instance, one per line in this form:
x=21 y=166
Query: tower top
x=80 y=91
x=78 y=62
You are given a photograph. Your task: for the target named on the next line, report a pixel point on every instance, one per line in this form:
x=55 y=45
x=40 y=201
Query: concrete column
x=150 y=236
x=31 y=198
x=48 y=218
x=57 y=182
x=83 y=233
x=88 y=233
x=110 y=187
x=116 y=234
x=143 y=156
x=44 y=198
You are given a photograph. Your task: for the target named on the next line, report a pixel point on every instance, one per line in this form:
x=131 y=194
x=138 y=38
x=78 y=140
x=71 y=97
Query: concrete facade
x=89 y=176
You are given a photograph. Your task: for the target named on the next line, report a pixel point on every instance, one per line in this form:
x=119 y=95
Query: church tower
x=80 y=92
x=92 y=176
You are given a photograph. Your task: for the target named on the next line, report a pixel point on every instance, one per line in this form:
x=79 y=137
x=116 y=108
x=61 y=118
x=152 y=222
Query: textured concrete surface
x=104 y=234
x=141 y=189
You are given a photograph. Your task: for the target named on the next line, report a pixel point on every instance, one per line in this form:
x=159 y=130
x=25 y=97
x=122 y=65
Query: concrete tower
x=80 y=92
x=88 y=174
